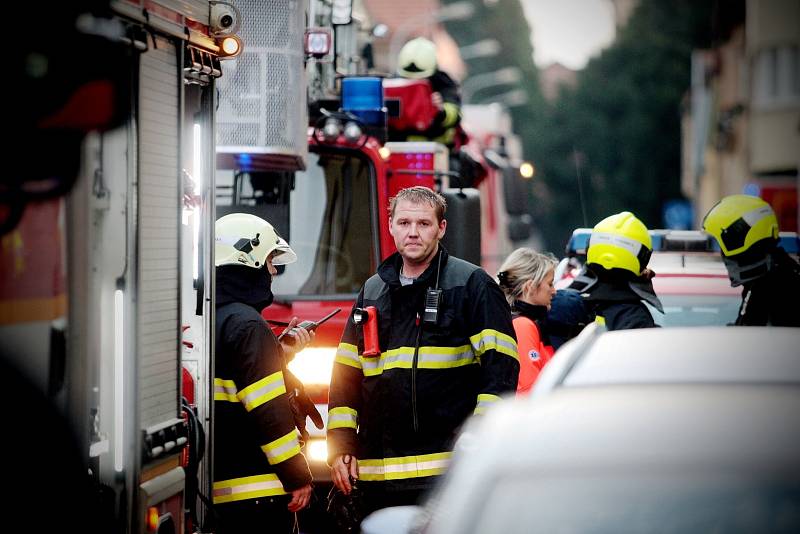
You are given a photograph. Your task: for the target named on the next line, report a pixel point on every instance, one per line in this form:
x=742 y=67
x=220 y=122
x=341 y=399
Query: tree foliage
x=618 y=130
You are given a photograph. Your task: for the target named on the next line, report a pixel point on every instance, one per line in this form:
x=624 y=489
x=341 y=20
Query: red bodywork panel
x=416 y=108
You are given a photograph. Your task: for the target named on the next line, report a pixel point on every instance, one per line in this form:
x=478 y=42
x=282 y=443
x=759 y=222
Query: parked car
x=651 y=430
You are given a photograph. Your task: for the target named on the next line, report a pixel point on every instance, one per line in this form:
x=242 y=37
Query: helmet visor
x=283 y=253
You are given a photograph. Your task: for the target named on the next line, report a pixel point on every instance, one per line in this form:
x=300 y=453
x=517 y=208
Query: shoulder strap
x=456 y=273
x=374 y=287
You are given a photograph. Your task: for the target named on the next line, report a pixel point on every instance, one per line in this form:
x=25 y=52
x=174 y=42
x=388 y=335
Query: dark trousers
x=266 y=514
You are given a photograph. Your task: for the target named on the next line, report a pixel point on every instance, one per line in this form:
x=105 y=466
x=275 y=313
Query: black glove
x=347 y=511
x=301 y=405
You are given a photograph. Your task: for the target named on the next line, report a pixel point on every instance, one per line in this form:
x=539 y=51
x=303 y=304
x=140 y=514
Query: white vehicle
x=667 y=430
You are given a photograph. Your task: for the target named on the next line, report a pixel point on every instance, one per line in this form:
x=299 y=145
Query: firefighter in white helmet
x=260 y=476
x=747 y=232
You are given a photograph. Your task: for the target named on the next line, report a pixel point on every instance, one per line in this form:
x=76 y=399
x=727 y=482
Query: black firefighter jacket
x=256 y=446
x=773 y=298
x=398 y=412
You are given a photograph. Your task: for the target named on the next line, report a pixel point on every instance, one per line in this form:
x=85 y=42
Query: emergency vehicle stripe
x=225 y=390
x=490 y=339
x=424 y=465
x=484 y=401
x=342 y=417
x=347 y=354
x=282 y=448
x=239 y=489
x=262 y=391
x=427 y=358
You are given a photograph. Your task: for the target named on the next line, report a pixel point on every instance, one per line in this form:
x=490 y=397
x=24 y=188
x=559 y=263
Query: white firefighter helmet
x=417 y=59
x=244 y=239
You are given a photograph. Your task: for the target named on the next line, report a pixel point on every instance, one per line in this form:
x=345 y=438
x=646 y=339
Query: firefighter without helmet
x=244 y=239
x=620 y=241
x=417 y=59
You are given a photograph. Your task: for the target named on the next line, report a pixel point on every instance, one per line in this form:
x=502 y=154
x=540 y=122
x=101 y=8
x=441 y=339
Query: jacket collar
x=236 y=283
x=533 y=312
x=389 y=270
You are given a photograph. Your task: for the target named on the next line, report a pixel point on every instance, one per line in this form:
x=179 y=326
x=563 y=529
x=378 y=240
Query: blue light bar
x=363 y=97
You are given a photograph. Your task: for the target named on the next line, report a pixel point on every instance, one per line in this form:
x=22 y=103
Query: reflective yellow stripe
x=490 y=339
x=450 y=114
x=225 y=390
x=342 y=417
x=402 y=467
x=427 y=358
x=599 y=319
x=282 y=448
x=484 y=401
x=262 y=391
x=347 y=354
x=239 y=489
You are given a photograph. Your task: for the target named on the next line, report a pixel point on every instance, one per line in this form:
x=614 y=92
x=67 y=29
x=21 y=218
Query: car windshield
x=323 y=212
x=667 y=503
x=696 y=310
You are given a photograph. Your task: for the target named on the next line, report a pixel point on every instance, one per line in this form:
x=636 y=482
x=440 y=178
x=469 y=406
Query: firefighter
x=260 y=476
x=615 y=283
x=747 y=232
x=526 y=277
x=446 y=349
x=417 y=61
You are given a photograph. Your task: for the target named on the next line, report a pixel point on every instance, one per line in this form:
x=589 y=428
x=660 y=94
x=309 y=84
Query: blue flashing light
x=789 y=241
x=363 y=97
x=245 y=160
x=752 y=189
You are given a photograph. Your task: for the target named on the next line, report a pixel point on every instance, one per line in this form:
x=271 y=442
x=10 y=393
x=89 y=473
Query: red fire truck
x=97 y=271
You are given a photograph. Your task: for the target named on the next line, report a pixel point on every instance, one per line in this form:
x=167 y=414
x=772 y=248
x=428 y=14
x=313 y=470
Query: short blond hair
x=420 y=195
x=522 y=265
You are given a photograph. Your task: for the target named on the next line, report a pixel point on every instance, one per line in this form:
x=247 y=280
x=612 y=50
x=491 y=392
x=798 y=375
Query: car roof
x=675 y=355
x=612 y=432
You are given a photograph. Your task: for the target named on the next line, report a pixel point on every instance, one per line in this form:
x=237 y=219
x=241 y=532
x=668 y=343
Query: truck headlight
x=314 y=365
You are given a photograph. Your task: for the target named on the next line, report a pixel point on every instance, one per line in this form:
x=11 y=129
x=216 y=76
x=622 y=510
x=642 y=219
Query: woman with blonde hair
x=526 y=278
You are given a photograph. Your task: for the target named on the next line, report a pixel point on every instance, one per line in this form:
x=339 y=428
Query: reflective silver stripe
x=428 y=358
x=753 y=216
x=484 y=401
x=342 y=417
x=282 y=448
x=262 y=391
x=347 y=354
x=604 y=238
x=404 y=466
x=225 y=390
x=490 y=339
x=238 y=489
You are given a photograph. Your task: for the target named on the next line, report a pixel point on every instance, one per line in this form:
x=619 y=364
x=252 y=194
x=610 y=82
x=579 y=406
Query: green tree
x=619 y=128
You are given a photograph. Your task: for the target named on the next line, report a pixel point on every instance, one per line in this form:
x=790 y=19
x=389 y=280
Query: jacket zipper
x=414 y=377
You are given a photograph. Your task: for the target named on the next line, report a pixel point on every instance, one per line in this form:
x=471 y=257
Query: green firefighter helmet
x=244 y=239
x=738 y=222
x=417 y=59
x=620 y=241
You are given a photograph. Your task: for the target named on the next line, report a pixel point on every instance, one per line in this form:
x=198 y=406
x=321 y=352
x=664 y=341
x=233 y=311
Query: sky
x=569 y=31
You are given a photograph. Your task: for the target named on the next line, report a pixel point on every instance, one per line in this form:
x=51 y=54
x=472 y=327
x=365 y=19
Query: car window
x=696 y=310
x=666 y=503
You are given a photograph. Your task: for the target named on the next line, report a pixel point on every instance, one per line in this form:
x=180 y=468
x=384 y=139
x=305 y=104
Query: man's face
x=416 y=231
